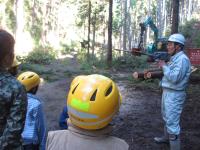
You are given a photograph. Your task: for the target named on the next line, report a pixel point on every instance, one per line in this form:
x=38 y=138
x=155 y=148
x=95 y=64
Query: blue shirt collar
x=177 y=55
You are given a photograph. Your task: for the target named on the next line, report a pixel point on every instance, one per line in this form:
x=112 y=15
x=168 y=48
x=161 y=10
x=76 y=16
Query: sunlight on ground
x=61 y=56
x=65 y=56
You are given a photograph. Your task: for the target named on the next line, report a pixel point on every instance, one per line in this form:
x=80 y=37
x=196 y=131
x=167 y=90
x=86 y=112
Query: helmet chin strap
x=175 y=51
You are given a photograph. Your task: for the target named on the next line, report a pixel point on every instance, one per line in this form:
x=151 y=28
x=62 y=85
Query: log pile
x=148 y=74
x=156 y=73
x=138 y=75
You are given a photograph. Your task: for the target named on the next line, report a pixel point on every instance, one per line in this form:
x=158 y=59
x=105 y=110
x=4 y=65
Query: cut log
x=137 y=75
x=155 y=74
x=147 y=74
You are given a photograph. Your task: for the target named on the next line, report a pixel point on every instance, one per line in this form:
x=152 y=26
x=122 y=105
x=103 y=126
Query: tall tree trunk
x=159 y=16
x=170 y=12
x=89 y=20
x=190 y=9
x=129 y=27
x=129 y=32
x=94 y=34
x=181 y=19
x=149 y=14
x=165 y=19
x=44 y=23
x=121 y=28
x=161 y=30
x=125 y=25
x=175 y=18
x=109 y=54
x=19 y=23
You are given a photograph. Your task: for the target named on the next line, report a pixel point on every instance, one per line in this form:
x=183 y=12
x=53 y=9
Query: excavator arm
x=151 y=49
x=143 y=26
x=153 y=27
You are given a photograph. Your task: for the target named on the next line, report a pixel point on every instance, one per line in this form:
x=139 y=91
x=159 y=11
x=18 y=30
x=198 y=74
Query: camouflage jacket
x=13 y=102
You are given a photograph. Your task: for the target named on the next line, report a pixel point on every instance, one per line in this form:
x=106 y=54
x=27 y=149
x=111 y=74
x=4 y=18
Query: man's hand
x=161 y=63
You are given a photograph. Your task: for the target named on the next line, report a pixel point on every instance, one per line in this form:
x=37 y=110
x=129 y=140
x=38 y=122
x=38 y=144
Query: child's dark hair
x=6 y=44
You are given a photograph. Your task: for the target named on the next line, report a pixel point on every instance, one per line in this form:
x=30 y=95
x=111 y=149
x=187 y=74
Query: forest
x=61 y=39
x=61 y=24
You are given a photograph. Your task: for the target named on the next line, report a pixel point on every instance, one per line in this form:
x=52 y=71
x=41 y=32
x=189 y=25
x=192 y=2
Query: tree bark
x=109 y=54
x=129 y=27
x=159 y=15
x=175 y=17
x=125 y=25
x=89 y=20
x=94 y=34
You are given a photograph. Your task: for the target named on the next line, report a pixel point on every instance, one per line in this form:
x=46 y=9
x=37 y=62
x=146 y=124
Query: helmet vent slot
x=93 y=97
x=74 y=89
x=30 y=76
x=109 y=91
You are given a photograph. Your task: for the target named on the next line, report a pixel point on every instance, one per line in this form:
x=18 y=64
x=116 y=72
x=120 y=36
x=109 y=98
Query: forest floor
x=139 y=118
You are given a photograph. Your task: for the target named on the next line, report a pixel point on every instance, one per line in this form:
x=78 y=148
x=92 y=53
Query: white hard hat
x=177 y=37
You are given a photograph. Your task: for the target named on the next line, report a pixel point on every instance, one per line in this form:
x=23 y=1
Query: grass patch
x=40 y=69
x=129 y=62
x=50 y=77
x=41 y=55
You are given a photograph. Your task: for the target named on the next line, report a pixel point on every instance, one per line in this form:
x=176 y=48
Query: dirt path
x=139 y=119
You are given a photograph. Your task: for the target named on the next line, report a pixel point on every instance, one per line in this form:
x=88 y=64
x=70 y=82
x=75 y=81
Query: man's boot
x=164 y=138
x=175 y=143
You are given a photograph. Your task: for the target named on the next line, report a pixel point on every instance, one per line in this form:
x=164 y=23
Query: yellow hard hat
x=77 y=79
x=29 y=79
x=93 y=101
x=15 y=62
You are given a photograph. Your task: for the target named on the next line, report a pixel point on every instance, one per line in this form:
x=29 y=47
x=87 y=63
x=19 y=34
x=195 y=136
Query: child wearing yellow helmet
x=34 y=133
x=64 y=114
x=92 y=102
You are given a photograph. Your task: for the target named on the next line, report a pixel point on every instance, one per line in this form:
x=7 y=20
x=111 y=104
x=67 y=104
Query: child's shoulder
x=9 y=83
x=33 y=98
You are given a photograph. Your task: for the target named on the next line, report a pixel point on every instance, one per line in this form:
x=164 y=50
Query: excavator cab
x=150 y=48
x=161 y=44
